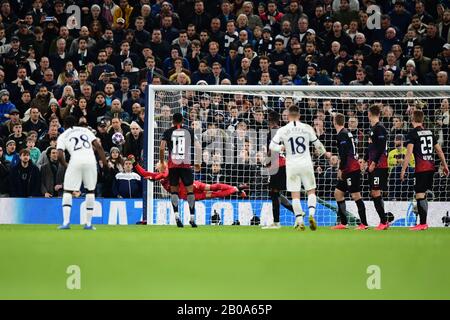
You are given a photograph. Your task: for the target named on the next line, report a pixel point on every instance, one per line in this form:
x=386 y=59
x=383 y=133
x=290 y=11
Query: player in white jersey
x=80 y=143
x=294 y=139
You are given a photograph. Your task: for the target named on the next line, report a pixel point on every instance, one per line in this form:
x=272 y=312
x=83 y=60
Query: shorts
x=278 y=180
x=423 y=181
x=78 y=173
x=184 y=174
x=378 y=179
x=350 y=182
x=296 y=176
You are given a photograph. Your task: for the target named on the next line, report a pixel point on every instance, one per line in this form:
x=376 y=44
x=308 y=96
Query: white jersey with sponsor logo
x=78 y=142
x=296 y=138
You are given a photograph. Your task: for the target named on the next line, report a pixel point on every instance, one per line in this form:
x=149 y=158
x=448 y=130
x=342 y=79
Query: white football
x=118 y=139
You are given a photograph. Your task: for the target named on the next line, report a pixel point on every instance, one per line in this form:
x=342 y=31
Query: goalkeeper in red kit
x=202 y=190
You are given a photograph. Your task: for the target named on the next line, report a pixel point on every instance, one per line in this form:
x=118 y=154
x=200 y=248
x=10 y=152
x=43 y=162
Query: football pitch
x=222 y=262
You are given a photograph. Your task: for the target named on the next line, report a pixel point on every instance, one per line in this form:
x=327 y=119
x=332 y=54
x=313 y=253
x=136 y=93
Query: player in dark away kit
x=421 y=142
x=377 y=163
x=180 y=142
x=349 y=174
x=277 y=181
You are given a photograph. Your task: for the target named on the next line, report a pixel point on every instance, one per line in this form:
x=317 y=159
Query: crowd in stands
x=97 y=68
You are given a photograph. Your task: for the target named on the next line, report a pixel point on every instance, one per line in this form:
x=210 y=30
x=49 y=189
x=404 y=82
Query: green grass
x=163 y=262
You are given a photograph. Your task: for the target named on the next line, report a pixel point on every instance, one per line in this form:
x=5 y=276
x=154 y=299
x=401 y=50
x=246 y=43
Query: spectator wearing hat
x=135 y=97
x=312 y=76
x=10 y=154
x=53 y=110
x=5 y=106
x=115 y=166
x=445 y=57
x=130 y=71
x=134 y=141
x=25 y=178
x=52 y=175
x=7 y=128
x=265 y=46
x=13 y=58
x=102 y=132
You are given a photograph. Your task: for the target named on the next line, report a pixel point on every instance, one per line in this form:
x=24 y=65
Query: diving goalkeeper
x=202 y=190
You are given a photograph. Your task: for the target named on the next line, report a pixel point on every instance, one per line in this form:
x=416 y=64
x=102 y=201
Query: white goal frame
x=321 y=92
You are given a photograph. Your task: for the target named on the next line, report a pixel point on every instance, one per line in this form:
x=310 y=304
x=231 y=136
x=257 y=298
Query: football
x=118 y=139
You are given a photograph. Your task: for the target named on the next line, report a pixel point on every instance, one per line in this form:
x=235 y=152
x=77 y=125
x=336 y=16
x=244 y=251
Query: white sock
x=298 y=210
x=192 y=219
x=312 y=202
x=177 y=215
x=90 y=201
x=67 y=207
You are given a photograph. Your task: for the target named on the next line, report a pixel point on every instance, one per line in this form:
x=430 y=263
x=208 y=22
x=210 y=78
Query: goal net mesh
x=231 y=123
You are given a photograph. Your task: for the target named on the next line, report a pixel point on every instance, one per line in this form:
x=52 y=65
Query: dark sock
x=275 y=206
x=422 y=208
x=379 y=206
x=174 y=200
x=361 y=211
x=286 y=203
x=341 y=211
x=191 y=202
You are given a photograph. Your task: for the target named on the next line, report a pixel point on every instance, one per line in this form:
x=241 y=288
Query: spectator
x=7 y=128
x=35 y=153
x=52 y=175
x=5 y=106
x=116 y=111
x=127 y=184
x=115 y=166
x=11 y=154
x=25 y=178
x=4 y=174
x=18 y=136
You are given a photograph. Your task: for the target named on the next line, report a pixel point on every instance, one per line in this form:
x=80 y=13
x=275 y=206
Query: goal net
x=231 y=123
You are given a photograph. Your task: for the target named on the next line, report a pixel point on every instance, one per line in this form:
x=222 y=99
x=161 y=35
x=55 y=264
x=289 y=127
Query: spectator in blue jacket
x=127 y=184
x=5 y=106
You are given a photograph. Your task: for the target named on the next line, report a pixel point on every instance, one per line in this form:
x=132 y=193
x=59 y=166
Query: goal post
x=231 y=123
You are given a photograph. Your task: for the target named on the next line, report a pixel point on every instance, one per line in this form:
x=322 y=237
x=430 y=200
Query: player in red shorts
x=202 y=190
